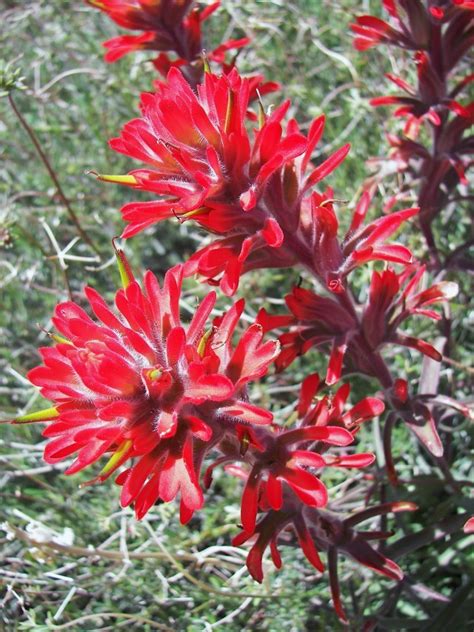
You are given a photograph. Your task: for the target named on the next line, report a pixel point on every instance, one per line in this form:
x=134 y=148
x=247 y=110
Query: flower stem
x=45 y=160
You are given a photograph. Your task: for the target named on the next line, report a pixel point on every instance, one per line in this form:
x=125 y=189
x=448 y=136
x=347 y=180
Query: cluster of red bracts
x=163 y=399
x=413 y=23
x=171 y=26
x=141 y=386
x=440 y=36
x=168 y=26
x=358 y=337
x=355 y=340
x=324 y=530
x=257 y=195
x=160 y=397
x=255 y=192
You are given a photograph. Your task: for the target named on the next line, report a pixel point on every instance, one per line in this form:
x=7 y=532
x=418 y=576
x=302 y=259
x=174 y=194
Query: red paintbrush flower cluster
x=159 y=397
x=141 y=386
x=357 y=339
x=279 y=467
x=411 y=25
x=324 y=530
x=168 y=26
x=288 y=497
x=440 y=34
x=207 y=167
x=256 y=192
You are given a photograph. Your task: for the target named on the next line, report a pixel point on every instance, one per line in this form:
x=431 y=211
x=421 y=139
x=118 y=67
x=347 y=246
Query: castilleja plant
x=326 y=531
x=256 y=193
x=391 y=300
x=164 y=403
x=356 y=341
x=438 y=36
x=157 y=398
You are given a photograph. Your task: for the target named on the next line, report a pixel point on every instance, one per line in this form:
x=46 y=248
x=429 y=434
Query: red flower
x=168 y=25
x=439 y=173
x=334 y=259
x=371 y=31
x=440 y=33
x=267 y=530
x=333 y=410
x=323 y=530
x=417 y=28
x=163 y=22
x=280 y=463
x=125 y=44
x=147 y=15
x=414 y=26
x=320 y=321
x=140 y=385
x=447 y=8
x=281 y=475
x=409 y=28
x=429 y=101
x=395 y=297
x=207 y=168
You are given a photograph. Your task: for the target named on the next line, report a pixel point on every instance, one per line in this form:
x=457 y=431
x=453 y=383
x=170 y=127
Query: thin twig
x=112 y=615
x=202 y=585
x=78 y=551
x=458 y=365
x=63 y=75
x=45 y=160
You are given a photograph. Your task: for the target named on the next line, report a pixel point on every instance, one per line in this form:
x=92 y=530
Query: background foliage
x=70 y=558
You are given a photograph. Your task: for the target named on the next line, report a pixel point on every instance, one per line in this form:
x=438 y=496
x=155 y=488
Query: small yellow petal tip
x=127 y=179
x=40 y=415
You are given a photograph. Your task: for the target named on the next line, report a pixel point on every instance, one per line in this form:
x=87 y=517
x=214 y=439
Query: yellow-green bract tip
x=126 y=274
x=39 y=415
